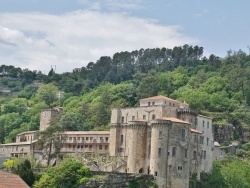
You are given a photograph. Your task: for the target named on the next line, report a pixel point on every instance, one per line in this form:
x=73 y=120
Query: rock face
x=118 y=180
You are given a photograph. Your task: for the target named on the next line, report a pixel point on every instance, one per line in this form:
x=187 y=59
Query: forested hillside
x=217 y=87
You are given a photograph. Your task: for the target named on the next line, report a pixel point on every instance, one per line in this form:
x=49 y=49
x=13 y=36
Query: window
x=173 y=151
x=207 y=141
x=90 y=146
x=148 y=103
x=194 y=155
x=204 y=154
x=106 y=147
x=133 y=118
x=122 y=119
x=149 y=134
x=120 y=150
x=144 y=117
x=153 y=116
x=159 y=152
x=70 y=138
x=87 y=138
x=100 y=147
x=179 y=167
x=186 y=153
x=160 y=134
x=121 y=139
x=195 y=138
x=203 y=123
x=153 y=103
x=155 y=173
x=183 y=134
x=149 y=151
x=208 y=125
x=86 y=146
x=201 y=139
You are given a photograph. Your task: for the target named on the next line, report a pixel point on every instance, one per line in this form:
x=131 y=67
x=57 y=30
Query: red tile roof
x=9 y=180
x=195 y=131
x=173 y=120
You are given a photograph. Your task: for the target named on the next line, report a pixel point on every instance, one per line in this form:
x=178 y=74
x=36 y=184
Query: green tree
x=69 y=173
x=23 y=169
x=47 y=93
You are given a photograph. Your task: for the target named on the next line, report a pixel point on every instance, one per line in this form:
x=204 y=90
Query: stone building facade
x=72 y=142
x=162 y=137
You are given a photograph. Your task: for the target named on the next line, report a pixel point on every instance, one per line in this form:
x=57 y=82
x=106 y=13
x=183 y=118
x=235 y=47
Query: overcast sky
x=68 y=34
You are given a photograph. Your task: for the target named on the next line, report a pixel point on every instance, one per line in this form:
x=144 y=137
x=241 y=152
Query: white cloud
x=37 y=40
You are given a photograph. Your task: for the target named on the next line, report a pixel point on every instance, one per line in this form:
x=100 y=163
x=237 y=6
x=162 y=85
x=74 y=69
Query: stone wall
x=117 y=180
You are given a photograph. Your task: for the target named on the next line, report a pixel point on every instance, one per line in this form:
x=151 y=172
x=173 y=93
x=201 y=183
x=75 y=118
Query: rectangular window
x=183 y=134
x=208 y=125
x=186 y=153
x=153 y=116
x=120 y=150
x=121 y=139
x=160 y=134
x=144 y=117
x=70 y=138
x=204 y=154
x=122 y=119
x=159 y=152
x=149 y=151
x=148 y=103
x=100 y=147
x=106 y=147
x=155 y=173
x=149 y=134
x=173 y=151
x=87 y=138
x=153 y=103
x=90 y=146
x=179 y=167
x=194 y=155
x=133 y=118
x=195 y=138
x=207 y=141
x=201 y=139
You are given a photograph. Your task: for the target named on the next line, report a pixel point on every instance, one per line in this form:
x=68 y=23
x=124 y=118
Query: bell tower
x=49 y=117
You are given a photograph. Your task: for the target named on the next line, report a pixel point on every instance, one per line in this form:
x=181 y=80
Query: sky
x=68 y=34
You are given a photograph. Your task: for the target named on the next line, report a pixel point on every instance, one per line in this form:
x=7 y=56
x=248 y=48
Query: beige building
x=72 y=142
x=162 y=137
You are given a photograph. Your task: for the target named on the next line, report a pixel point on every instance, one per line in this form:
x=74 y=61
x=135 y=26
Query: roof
x=18 y=144
x=175 y=120
x=9 y=180
x=86 y=132
x=204 y=116
x=27 y=132
x=196 y=131
x=159 y=97
x=216 y=144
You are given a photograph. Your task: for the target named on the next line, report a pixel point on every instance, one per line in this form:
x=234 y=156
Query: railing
x=84 y=141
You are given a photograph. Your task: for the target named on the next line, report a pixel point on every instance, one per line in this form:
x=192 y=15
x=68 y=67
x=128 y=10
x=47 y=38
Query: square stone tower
x=49 y=117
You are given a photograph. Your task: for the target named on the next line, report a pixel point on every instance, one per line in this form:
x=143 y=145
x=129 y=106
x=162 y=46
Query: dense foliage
x=217 y=87
x=69 y=173
x=230 y=173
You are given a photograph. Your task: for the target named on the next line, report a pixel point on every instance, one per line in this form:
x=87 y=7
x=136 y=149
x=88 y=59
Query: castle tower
x=137 y=133
x=49 y=117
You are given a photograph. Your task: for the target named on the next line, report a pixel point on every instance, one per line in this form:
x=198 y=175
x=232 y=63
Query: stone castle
x=162 y=137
